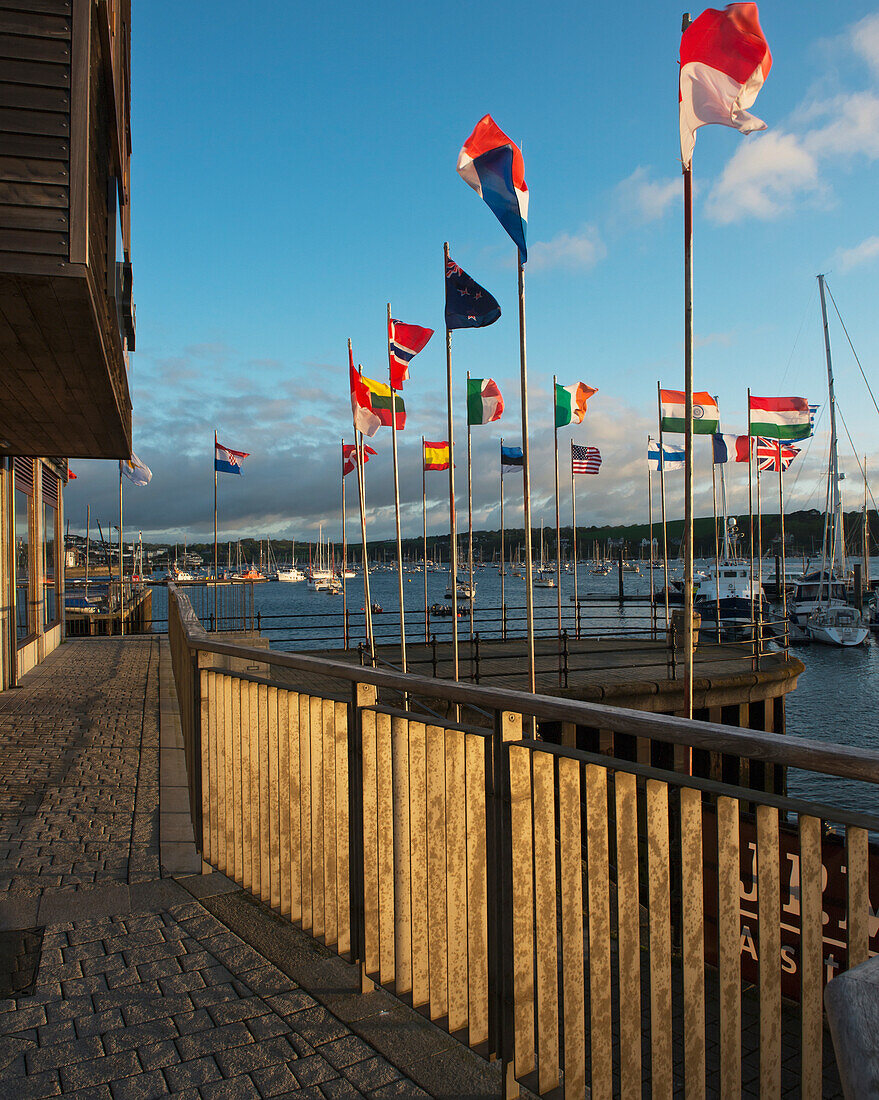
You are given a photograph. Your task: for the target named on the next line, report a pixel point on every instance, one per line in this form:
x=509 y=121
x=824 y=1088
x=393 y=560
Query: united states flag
x=585 y=460
x=772 y=451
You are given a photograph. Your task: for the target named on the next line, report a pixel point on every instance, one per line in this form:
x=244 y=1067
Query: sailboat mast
x=835 y=508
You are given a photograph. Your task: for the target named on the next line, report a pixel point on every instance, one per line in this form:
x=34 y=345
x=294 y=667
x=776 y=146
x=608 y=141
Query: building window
x=50 y=566
x=24 y=611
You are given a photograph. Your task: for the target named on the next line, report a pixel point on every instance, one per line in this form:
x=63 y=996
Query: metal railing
x=552 y=907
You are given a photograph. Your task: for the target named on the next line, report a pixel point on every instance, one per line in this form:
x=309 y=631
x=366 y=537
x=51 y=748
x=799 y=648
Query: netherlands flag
x=404 y=343
x=493 y=166
x=724 y=61
x=227 y=461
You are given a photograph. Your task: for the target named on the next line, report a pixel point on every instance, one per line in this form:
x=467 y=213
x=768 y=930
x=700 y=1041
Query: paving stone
x=274 y=1080
x=243 y=1059
x=345 y=1051
x=405 y=1089
x=63 y=1054
x=142 y=1086
x=126 y=1038
x=312 y=1070
x=226 y=1012
x=371 y=1073
x=83 y=1075
x=158 y=1055
x=340 y=1090
x=207 y=1042
x=317 y=1026
x=237 y=1088
x=188 y=1022
x=192 y=1073
x=35 y=1085
x=266 y=1027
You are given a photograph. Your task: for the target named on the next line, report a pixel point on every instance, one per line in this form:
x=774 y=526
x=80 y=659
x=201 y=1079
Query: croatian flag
x=404 y=343
x=492 y=164
x=724 y=61
x=227 y=461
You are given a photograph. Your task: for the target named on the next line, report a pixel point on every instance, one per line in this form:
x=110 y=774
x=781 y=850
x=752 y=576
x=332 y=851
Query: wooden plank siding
x=62 y=355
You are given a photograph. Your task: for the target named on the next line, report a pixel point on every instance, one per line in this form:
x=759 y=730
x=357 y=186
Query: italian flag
x=779 y=417
x=570 y=403
x=672 y=418
x=484 y=401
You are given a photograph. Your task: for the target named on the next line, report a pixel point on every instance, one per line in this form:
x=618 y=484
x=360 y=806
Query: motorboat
x=839 y=626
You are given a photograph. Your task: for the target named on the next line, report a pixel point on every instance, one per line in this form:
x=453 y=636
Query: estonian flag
x=511 y=459
x=468 y=305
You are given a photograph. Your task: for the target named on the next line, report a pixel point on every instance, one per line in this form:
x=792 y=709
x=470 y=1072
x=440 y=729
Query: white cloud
x=647 y=199
x=862 y=253
x=763 y=179
x=853 y=127
x=568 y=250
x=864 y=40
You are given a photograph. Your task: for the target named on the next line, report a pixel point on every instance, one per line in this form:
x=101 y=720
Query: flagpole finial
x=685 y=21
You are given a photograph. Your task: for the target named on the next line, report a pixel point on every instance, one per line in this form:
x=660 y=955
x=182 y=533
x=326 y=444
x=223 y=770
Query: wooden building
x=66 y=311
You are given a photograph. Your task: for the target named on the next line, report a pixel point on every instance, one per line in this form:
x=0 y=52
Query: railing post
x=670 y=646
x=565 y=655
x=362 y=695
x=507 y=727
x=433 y=652
x=476 y=670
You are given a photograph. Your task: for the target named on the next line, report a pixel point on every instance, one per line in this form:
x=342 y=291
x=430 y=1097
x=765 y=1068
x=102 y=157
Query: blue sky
x=291 y=174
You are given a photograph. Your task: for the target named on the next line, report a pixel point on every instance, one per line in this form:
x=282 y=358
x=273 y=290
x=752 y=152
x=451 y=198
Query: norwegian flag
x=404 y=343
x=585 y=460
x=349 y=457
x=771 y=452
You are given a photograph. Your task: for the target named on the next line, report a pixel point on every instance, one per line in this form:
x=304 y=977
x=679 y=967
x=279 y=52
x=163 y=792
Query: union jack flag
x=772 y=451
x=585 y=460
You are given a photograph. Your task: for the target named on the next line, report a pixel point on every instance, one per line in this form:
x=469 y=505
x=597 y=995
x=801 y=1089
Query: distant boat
x=291 y=574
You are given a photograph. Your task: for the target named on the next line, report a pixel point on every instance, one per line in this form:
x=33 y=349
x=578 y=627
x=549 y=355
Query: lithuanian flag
x=371 y=402
x=436 y=455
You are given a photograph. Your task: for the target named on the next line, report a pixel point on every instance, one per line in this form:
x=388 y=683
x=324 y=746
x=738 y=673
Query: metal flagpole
x=751 y=507
x=216 y=558
x=716 y=548
x=361 y=494
x=424 y=529
x=397 y=505
x=759 y=596
x=453 y=521
x=344 y=557
x=783 y=566
x=558 y=528
x=503 y=567
x=469 y=512
x=650 y=538
x=574 y=541
x=88 y=526
x=526 y=481
x=688 y=436
x=121 y=562
x=662 y=503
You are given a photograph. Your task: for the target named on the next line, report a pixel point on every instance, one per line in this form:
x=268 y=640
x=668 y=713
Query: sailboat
x=545 y=577
x=830 y=623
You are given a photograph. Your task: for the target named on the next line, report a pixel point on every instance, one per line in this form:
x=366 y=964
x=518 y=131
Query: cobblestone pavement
x=157 y=998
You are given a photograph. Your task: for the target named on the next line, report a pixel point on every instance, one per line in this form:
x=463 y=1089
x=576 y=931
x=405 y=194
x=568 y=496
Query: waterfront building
x=66 y=310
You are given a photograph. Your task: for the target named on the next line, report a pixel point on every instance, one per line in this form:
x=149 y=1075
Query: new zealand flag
x=468 y=305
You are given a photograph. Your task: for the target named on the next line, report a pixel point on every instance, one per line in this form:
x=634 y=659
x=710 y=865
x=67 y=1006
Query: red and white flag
x=349 y=457
x=404 y=343
x=724 y=62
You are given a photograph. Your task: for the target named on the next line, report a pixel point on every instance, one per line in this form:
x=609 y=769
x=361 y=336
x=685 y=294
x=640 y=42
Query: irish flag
x=570 y=403
x=484 y=401
x=779 y=417
x=724 y=62
x=705 y=415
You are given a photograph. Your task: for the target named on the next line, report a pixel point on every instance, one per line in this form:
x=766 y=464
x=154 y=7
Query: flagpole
x=751 y=508
x=361 y=495
x=216 y=566
x=344 y=557
x=716 y=545
x=688 y=435
x=760 y=564
x=469 y=513
x=783 y=564
x=558 y=528
x=650 y=537
x=503 y=568
x=424 y=530
x=121 y=562
x=397 y=504
x=453 y=522
x=662 y=502
x=574 y=542
x=526 y=480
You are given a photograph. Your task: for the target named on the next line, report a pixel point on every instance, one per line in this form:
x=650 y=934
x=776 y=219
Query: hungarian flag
x=371 y=403
x=404 y=343
x=673 y=419
x=724 y=62
x=672 y=458
x=227 y=461
x=731 y=448
x=779 y=417
x=468 y=305
x=493 y=166
x=570 y=403
x=772 y=454
x=484 y=401
x=349 y=457
x=436 y=455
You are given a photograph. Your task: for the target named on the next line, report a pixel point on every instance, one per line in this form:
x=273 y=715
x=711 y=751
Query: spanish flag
x=436 y=455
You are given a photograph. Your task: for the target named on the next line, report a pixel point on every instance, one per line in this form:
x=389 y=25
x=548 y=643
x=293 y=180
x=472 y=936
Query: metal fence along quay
x=593 y=922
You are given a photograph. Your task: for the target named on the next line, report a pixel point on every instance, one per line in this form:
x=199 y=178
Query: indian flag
x=436 y=455
x=779 y=417
x=484 y=401
x=672 y=418
x=570 y=403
